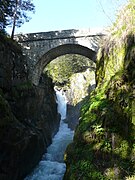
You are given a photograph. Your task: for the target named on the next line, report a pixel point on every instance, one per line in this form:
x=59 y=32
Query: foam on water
x=52 y=166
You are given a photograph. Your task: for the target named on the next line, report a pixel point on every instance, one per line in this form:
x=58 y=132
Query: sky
x=52 y=15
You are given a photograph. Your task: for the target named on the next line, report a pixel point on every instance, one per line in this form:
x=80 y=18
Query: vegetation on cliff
x=103 y=146
x=63 y=67
x=75 y=74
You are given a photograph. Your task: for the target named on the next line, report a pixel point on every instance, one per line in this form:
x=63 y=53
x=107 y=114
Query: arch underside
x=63 y=50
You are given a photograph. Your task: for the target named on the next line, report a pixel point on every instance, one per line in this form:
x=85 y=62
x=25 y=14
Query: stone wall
x=37 y=45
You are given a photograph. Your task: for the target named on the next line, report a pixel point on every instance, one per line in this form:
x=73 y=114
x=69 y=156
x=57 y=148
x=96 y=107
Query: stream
x=52 y=166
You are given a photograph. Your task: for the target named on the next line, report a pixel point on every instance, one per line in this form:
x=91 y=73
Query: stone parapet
x=43 y=45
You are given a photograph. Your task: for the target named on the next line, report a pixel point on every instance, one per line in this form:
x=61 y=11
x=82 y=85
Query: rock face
x=81 y=84
x=13 y=67
x=28 y=115
x=104 y=144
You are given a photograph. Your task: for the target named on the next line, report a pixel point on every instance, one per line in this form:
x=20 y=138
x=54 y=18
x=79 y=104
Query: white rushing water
x=52 y=167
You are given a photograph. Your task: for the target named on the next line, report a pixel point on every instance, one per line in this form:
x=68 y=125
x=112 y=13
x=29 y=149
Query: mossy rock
x=106 y=127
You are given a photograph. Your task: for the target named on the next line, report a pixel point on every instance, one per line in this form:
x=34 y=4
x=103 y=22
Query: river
x=52 y=166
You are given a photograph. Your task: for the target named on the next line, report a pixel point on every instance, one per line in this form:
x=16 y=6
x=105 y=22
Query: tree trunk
x=13 y=29
x=14 y=20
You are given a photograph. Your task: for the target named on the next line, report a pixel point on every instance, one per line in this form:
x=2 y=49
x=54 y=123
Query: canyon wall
x=28 y=114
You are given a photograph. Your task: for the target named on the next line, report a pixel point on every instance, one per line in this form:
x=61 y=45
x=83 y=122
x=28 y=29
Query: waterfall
x=52 y=166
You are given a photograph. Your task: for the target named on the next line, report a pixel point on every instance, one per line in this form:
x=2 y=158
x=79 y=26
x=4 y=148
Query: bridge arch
x=59 y=51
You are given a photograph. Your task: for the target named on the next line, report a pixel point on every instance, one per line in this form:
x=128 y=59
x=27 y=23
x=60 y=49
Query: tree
x=5 y=12
x=14 y=13
x=2 y=15
x=19 y=13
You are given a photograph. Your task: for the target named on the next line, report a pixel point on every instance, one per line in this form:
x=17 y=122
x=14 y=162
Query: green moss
x=133 y=112
x=110 y=173
x=104 y=139
x=123 y=149
x=103 y=132
x=84 y=170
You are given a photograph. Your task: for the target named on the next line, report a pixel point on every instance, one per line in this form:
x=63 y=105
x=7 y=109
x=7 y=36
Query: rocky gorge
x=28 y=114
x=101 y=108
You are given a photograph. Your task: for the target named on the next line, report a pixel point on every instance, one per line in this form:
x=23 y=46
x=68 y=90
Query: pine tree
x=5 y=12
x=19 y=13
x=14 y=13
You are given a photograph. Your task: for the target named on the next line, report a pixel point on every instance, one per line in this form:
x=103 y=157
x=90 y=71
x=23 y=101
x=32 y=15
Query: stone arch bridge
x=41 y=48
